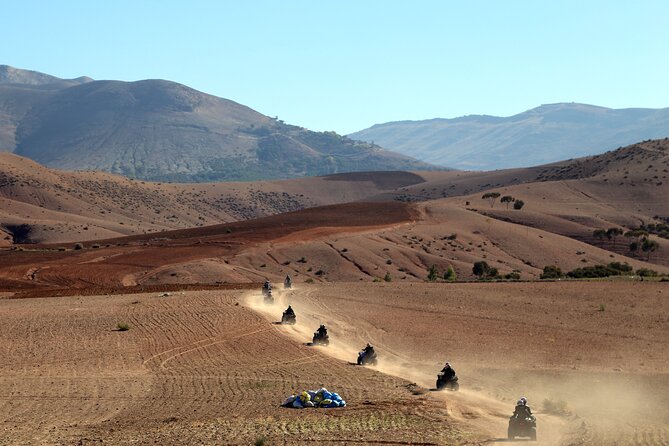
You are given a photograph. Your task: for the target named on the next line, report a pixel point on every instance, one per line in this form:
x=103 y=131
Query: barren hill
x=542 y=135
x=164 y=131
x=46 y=205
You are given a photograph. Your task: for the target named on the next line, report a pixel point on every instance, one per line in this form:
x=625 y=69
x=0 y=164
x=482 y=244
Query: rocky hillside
x=542 y=135
x=164 y=131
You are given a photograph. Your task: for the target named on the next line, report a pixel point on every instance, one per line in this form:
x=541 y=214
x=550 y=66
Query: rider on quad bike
x=288 y=282
x=522 y=423
x=447 y=378
x=321 y=336
x=367 y=356
x=266 y=287
x=289 y=316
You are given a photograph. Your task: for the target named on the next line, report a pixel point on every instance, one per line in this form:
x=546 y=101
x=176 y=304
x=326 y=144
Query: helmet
x=522 y=401
x=447 y=365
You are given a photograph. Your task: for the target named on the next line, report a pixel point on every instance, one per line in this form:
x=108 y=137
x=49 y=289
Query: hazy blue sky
x=345 y=65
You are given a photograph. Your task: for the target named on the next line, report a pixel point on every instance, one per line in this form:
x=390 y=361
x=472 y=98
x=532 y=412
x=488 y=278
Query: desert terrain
x=212 y=367
x=204 y=362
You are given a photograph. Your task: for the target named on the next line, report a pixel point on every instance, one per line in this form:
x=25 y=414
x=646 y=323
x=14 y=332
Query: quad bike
x=367 y=357
x=321 y=337
x=266 y=288
x=289 y=317
x=288 y=283
x=520 y=426
x=445 y=383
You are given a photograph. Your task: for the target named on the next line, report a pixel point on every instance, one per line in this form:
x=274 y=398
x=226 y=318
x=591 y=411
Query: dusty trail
x=472 y=408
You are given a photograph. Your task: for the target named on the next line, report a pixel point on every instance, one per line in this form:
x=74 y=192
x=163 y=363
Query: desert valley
x=140 y=220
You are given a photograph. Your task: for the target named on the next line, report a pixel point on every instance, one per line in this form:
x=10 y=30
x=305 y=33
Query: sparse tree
x=432 y=273
x=612 y=233
x=450 y=275
x=507 y=199
x=482 y=270
x=648 y=246
x=518 y=204
x=551 y=272
x=491 y=197
x=599 y=234
x=634 y=247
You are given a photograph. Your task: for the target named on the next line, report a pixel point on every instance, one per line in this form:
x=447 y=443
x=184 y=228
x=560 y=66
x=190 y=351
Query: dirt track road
x=415 y=328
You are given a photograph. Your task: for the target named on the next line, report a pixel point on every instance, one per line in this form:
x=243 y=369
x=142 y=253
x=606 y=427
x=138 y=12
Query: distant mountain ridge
x=164 y=131
x=541 y=135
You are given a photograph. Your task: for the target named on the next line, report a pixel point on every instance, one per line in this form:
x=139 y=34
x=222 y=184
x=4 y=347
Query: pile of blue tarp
x=314 y=398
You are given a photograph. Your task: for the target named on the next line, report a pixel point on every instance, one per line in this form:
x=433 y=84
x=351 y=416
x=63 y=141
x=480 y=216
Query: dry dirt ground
x=211 y=367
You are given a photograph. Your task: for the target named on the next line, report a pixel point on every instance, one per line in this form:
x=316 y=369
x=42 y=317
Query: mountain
x=164 y=131
x=542 y=135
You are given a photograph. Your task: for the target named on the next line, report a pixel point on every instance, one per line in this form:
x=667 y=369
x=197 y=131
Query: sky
x=346 y=65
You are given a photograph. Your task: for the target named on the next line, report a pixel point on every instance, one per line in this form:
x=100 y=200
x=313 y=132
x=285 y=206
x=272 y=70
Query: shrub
x=376 y=280
x=309 y=280
x=589 y=272
x=95 y=246
x=388 y=277
x=78 y=246
x=450 y=274
x=122 y=326
x=551 y=272
x=518 y=204
x=512 y=276
x=645 y=272
x=389 y=262
x=483 y=270
x=62 y=248
x=260 y=441
x=432 y=273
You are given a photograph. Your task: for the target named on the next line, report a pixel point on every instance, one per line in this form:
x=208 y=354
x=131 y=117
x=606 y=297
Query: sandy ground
x=211 y=367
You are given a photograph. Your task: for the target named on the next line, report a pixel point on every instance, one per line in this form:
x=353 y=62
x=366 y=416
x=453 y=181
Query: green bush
x=512 y=276
x=450 y=274
x=551 y=272
x=122 y=326
x=591 y=272
x=432 y=273
x=518 y=204
x=483 y=270
x=388 y=277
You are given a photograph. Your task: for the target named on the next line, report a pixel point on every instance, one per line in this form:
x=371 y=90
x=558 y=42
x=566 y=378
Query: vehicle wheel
x=456 y=386
x=359 y=360
x=533 y=434
x=511 y=435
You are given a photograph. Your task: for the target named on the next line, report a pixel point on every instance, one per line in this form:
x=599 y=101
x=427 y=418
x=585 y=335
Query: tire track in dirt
x=467 y=407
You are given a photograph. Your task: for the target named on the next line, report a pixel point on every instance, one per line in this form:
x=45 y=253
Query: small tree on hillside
x=507 y=199
x=491 y=197
x=612 y=233
x=649 y=246
x=518 y=204
x=599 y=234
x=432 y=273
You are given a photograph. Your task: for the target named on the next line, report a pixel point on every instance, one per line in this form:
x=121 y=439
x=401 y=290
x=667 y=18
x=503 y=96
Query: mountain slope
x=164 y=131
x=38 y=204
x=542 y=135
